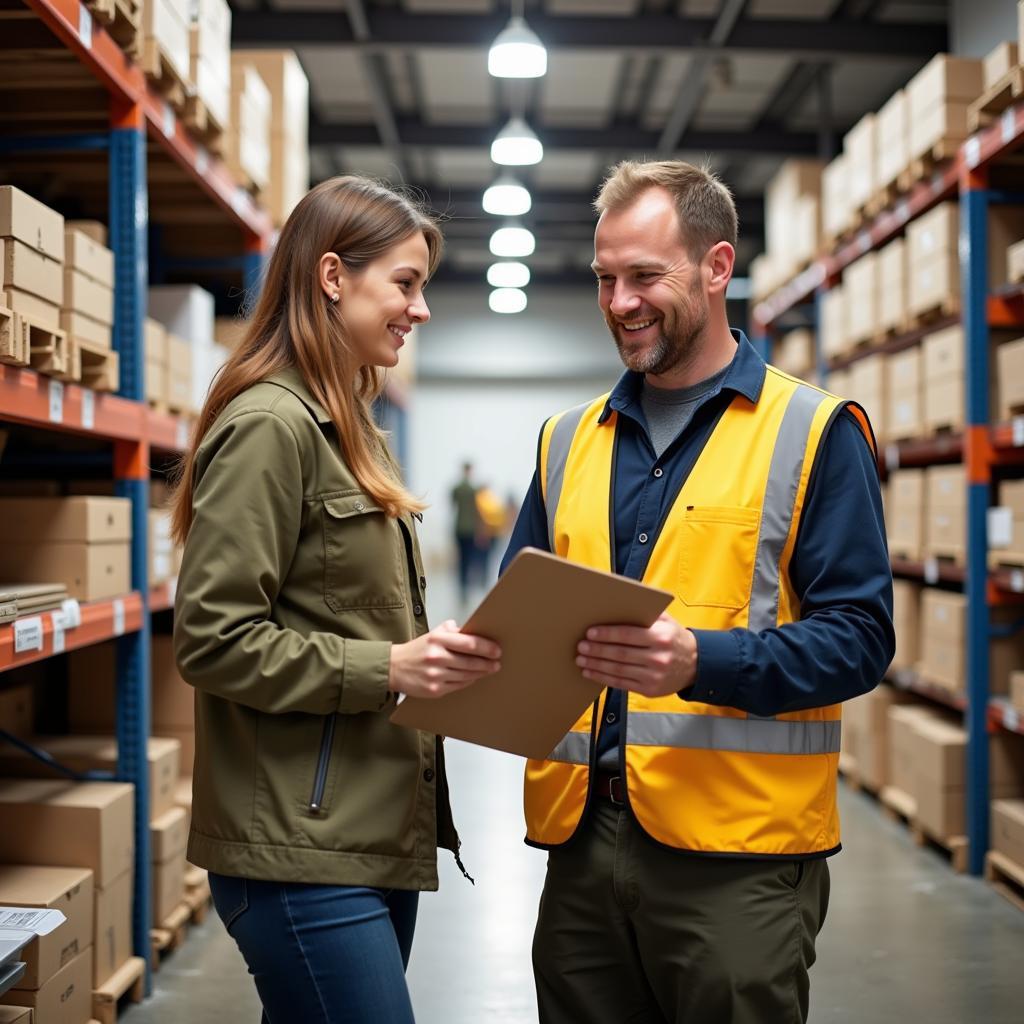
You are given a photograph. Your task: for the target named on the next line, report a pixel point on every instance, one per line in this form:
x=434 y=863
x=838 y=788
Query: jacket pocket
x=363 y=556
x=323 y=763
x=718 y=545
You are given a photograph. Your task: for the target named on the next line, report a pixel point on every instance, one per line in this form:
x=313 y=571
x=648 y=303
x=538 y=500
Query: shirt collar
x=745 y=377
x=291 y=379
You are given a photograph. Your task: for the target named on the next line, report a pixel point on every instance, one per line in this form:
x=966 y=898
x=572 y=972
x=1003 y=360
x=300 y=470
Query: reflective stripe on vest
x=558 y=452
x=573 y=748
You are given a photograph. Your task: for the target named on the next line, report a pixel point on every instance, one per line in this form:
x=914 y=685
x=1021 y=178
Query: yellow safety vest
x=701 y=777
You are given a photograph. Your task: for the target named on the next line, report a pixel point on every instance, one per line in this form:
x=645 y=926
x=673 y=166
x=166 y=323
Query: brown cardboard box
x=836 y=210
x=944 y=404
x=289 y=90
x=77 y=325
x=933 y=233
x=794 y=180
x=860 y=284
x=945 y=512
x=91 y=572
x=906 y=600
x=154 y=336
x=938 y=97
x=892 y=152
x=1011 y=497
x=179 y=379
x=904 y=413
x=156 y=382
x=68 y=890
x=867 y=386
x=1010 y=377
x=998 y=63
x=16 y=710
x=84 y=254
x=186 y=738
x=247 y=148
x=45 y=314
x=166 y=23
x=90 y=228
x=65 y=999
x=893 y=281
x=905 y=523
x=168 y=833
x=57 y=823
x=168 y=885
x=873 y=762
x=901 y=719
x=861 y=146
x=29 y=221
x=1007 y=827
x=1015 y=263
x=15 y=1015
x=1005 y=226
x=161 y=548
x=935 y=284
x=795 y=353
x=83 y=295
x=833 y=322
x=89 y=519
x=1017 y=690
x=112 y=941
x=31 y=271
x=944 y=353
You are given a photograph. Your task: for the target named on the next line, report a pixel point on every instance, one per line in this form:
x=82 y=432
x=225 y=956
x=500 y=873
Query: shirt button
x=642 y=538
x=417 y=609
x=428 y=775
x=659 y=472
x=610 y=717
x=423 y=583
x=359 y=506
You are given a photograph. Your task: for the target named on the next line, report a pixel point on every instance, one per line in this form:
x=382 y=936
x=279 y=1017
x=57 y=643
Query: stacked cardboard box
x=289 y=137
x=839 y=383
x=998 y=63
x=906 y=617
x=892 y=153
x=1015 y=263
x=1005 y=226
x=945 y=528
x=229 y=331
x=868 y=716
x=904 y=416
x=938 y=97
x=943 y=364
x=161 y=548
x=837 y=210
x=165 y=26
x=88 y=825
x=833 y=322
x=933 y=261
x=179 y=375
x=168 y=837
x=210 y=58
x=83 y=542
x=794 y=353
x=1010 y=378
x=247 y=148
x=861 y=288
x=154 y=338
x=901 y=718
x=1006 y=525
x=905 y=513
x=860 y=148
x=1007 y=830
x=868 y=387
x=793 y=197
x=1017 y=689
x=893 y=281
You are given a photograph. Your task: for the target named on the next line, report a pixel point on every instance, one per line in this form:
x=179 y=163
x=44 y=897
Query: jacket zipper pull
x=461 y=866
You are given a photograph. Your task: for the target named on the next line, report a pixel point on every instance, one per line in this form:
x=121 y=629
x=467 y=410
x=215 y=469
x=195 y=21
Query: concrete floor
x=906 y=939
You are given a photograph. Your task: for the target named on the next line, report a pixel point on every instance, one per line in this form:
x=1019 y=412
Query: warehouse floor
x=905 y=939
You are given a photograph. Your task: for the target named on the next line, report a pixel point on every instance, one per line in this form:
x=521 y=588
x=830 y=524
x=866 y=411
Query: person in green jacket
x=300 y=617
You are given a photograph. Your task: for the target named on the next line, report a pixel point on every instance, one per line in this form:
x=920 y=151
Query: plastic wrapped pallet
x=247 y=150
x=210 y=57
x=860 y=146
x=938 y=96
x=165 y=26
x=893 y=151
x=904 y=418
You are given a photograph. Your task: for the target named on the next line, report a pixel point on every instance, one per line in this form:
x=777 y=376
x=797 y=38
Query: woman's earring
x=335 y=297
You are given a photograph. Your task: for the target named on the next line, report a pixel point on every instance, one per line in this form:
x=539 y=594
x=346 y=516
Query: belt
x=611 y=787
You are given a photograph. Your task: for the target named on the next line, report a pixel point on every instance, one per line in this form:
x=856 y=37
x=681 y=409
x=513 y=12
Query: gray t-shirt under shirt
x=669 y=410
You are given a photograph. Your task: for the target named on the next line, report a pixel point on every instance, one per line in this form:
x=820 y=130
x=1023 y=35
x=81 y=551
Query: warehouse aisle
x=905 y=937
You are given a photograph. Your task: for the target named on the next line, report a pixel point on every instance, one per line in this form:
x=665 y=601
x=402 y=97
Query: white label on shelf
x=892 y=457
x=972 y=151
x=903 y=210
x=931 y=570
x=864 y=242
x=72 y=612
x=1011 y=718
x=1017 y=581
x=1008 y=125
x=58 y=632
x=202 y=160
x=28 y=634
x=85 y=26
x=240 y=201
x=172 y=588
x=181 y=434
x=1017 y=430
x=56 y=401
x=1000 y=526
x=168 y=120
x=119 y=617
x=88 y=409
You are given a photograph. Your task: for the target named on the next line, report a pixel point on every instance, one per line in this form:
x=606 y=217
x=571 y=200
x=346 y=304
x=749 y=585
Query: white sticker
x=119 y=617
x=88 y=409
x=1017 y=430
x=28 y=634
x=903 y=211
x=85 y=26
x=202 y=160
x=1017 y=581
x=72 y=612
x=172 y=588
x=864 y=242
x=168 y=120
x=1009 y=125
x=1011 y=718
x=240 y=201
x=972 y=151
x=892 y=457
x=58 y=632
x=181 y=435
x=56 y=401
x=931 y=570
x=1000 y=526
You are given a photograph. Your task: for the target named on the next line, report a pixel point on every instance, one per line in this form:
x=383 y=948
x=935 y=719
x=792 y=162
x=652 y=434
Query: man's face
x=651 y=293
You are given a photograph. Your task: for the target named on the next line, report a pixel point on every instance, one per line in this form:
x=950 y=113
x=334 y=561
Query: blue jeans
x=322 y=954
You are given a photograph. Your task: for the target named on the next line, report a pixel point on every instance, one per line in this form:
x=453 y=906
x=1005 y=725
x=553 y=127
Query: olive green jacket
x=293 y=588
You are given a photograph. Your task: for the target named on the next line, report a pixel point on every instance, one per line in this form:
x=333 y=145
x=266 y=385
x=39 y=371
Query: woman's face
x=382 y=302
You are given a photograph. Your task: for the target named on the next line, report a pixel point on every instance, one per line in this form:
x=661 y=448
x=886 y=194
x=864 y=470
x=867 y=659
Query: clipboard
x=538 y=612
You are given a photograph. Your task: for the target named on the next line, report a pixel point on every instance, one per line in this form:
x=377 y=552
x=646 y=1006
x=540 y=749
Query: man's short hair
x=707 y=213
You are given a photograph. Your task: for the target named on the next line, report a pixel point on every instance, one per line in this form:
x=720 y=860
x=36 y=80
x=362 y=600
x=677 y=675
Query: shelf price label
x=85 y=26
x=1017 y=581
x=56 y=394
x=88 y=409
x=72 y=612
x=1008 y=126
x=119 y=617
x=1017 y=431
x=1011 y=718
x=972 y=151
x=931 y=571
x=181 y=435
x=202 y=161
x=28 y=634
x=58 y=632
x=892 y=457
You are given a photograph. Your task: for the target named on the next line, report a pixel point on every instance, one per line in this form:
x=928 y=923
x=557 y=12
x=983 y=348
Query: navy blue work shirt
x=840 y=571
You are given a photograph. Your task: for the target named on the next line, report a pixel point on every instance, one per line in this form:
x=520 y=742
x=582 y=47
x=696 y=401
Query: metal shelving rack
x=982 y=446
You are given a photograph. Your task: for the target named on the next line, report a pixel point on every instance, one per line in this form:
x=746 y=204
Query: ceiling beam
x=768 y=140
x=844 y=39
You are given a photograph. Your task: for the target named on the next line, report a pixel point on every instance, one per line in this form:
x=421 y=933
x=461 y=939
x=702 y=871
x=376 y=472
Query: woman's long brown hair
x=294 y=324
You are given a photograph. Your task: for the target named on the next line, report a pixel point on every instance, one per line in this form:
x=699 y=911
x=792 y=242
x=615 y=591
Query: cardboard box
x=1010 y=377
x=944 y=404
x=16 y=710
x=1007 y=829
x=905 y=523
x=87 y=824
x=836 y=209
x=230 y=331
x=65 y=999
x=861 y=287
x=1005 y=226
x=91 y=572
x=900 y=719
x=943 y=353
x=29 y=221
x=938 y=97
x=161 y=548
x=69 y=890
x=289 y=94
x=946 y=512
x=210 y=57
x=186 y=312
x=168 y=833
x=84 y=254
x=84 y=328
x=31 y=271
x=83 y=295
x=247 y=148
x=873 y=733
x=998 y=63
x=867 y=386
x=166 y=23
x=892 y=153
x=15 y=1015
x=1015 y=263
x=89 y=519
x=860 y=147
x=893 y=281
x=904 y=415
x=112 y=941
x=935 y=284
x=186 y=738
x=833 y=322
x=907 y=623
x=179 y=363
x=933 y=233
x=794 y=354
x=157 y=382
x=91 y=228
x=44 y=314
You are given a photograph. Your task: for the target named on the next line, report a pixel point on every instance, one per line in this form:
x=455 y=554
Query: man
x=467 y=523
x=689 y=815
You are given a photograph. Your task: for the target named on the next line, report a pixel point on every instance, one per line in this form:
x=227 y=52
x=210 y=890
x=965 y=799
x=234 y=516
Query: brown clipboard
x=538 y=611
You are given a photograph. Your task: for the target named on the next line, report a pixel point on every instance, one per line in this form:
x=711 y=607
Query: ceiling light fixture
x=516 y=145
x=507 y=198
x=517 y=52
x=507 y=300
x=508 y=275
x=512 y=242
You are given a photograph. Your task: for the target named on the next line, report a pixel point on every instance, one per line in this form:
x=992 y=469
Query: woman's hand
x=441 y=661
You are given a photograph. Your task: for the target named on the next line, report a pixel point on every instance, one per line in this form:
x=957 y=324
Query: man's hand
x=655 y=662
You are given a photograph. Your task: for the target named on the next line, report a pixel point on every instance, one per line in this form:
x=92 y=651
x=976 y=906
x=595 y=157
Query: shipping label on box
x=29 y=221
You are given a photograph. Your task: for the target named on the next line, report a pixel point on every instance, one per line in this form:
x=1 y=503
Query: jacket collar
x=291 y=380
x=745 y=377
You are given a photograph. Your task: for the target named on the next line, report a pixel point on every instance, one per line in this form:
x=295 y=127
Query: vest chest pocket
x=363 y=555
x=717 y=549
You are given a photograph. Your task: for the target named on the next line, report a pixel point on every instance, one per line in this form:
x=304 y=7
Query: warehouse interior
x=151 y=150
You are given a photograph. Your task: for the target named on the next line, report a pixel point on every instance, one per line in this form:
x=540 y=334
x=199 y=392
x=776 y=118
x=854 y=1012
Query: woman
x=299 y=618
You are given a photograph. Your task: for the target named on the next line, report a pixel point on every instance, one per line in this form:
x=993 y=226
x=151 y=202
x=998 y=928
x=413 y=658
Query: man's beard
x=676 y=344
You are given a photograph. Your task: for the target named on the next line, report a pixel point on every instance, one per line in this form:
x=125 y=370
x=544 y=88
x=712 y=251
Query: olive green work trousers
x=630 y=932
